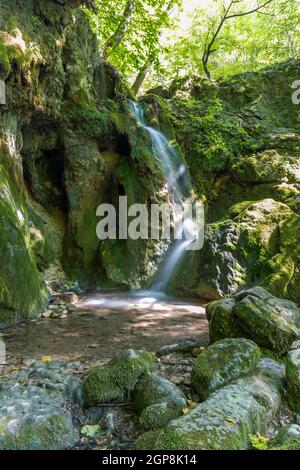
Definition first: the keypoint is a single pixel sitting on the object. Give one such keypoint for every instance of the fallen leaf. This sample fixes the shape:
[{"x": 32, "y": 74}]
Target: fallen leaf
[
  {"x": 46, "y": 359},
  {"x": 90, "y": 430},
  {"x": 230, "y": 420}
]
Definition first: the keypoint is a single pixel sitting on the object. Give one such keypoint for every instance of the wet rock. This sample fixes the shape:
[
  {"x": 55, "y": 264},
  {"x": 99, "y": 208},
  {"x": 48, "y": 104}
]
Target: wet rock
[
  {"x": 222, "y": 363},
  {"x": 117, "y": 378},
  {"x": 227, "y": 418},
  {"x": 293, "y": 379},
  {"x": 271, "y": 322}
]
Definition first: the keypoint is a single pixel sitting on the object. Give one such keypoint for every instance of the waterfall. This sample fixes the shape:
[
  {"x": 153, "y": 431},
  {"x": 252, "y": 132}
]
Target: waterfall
[{"x": 179, "y": 184}]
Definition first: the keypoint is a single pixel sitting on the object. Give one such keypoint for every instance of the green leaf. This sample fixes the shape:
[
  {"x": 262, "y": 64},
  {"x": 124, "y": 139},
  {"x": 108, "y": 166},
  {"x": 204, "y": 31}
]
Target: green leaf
[{"x": 90, "y": 430}]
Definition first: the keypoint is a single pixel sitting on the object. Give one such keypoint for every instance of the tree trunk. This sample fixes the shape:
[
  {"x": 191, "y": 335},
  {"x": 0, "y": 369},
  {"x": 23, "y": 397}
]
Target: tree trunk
[
  {"x": 140, "y": 79},
  {"x": 118, "y": 35}
]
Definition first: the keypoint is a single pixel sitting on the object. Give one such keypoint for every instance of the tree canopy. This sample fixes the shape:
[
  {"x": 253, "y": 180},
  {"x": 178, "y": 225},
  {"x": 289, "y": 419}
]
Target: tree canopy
[{"x": 146, "y": 42}]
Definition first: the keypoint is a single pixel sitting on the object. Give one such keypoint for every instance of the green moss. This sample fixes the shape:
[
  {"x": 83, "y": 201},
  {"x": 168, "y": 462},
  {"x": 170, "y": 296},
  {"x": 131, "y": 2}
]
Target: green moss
[
  {"x": 52, "y": 434},
  {"x": 157, "y": 416},
  {"x": 153, "y": 389},
  {"x": 22, "y": 293},
  {"x": 117, "y": 378},
  {"x": 225, "y": 420},
  {"x": 293, "y": 443},
  {"x": 222, "y": 323},
  {"x": 222, "y": 363}
]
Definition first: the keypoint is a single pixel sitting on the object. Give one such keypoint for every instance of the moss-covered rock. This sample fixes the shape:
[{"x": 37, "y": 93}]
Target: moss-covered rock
[
  {"x": 157, "y": 416},
  {"x": 271, "y": 322},
  {"x": 153, "y": 389},
  {"x": 22, "y": 293},
  {"x": 258, "y": 246},
  {"x": 158, "y": 400},
  {"x": 53, "y": 433},
  {"x": 117, "y": 378},
  {"x": 293, "y": 379},
  {"x": 227, "y": 418},
  {"x": 222, "y": 363}
]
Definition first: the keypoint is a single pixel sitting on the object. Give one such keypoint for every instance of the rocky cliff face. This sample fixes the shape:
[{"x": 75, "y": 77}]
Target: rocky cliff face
[
  {"x": 241, "y": 139},
  {"x": 69, "y": 142}
]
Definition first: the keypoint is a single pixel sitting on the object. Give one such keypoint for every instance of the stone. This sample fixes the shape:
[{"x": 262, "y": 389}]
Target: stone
[
  {"x": 153, "y": 389},
  {"x": 227, "y": 418},
  {"x": 118, "y": 378},
  {"x": 69, "y": 297},
  {"x": 256, "y": 314},
  {"x": 159, "y": 415},
  {"x": 293, "y": 379},
  {"x": 222, "y": 363},
  {"x": 47, "y": 314},
  {"x": 34, "y": 408}
]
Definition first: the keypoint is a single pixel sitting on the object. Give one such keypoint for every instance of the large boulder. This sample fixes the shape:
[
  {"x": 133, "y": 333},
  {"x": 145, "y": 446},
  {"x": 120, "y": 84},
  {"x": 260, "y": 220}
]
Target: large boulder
[
  {"x": 226, "y": 419},
  {"x": 222, "y": 363},
  {"x": 256, "y": 314},
  {"x": 293, "y": 379},
  {"x": 117, "y": 378}
]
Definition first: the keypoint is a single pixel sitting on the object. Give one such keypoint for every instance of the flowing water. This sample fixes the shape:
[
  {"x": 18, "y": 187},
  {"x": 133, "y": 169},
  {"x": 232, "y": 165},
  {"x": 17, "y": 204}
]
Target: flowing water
[{"x": 180, "y": 187}]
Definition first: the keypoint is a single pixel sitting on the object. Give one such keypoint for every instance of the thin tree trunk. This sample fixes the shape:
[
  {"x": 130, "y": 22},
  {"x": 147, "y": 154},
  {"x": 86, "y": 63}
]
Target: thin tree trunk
[
  {"x": 117, "y": 36},
  {"x": 140, "y": 78}
]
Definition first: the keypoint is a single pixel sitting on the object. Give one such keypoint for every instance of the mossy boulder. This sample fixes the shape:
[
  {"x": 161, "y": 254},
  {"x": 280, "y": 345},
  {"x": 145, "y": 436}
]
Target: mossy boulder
[
  {"x": 293, "y": 443},
  {"x": 118, "y": 378},
  {"x": 222, "y": 363},
  {"x": 158, "y": 400},
  {"x": 293, "y": 379},
  {"x": 226, "y": 419},
  {"x": 256, "y": 314},
  {"x": 153, "y": 389}
]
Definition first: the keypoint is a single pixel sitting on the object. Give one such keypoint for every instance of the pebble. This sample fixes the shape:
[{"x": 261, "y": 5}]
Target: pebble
[{"x": 177, "y": 380}]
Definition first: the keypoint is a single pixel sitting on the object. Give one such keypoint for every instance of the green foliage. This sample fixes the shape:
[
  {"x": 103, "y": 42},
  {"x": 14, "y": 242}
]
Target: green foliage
[
  {"x": 141, "y": 41},
  {"x": 155, "y": 37},
  {"x": 90, "y": 431},
  {"x": 259, "y": 442}
]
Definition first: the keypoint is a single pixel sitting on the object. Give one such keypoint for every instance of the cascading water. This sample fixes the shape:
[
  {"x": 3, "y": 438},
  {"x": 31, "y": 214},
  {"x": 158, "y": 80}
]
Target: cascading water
[{"x": 179, "y": 185}]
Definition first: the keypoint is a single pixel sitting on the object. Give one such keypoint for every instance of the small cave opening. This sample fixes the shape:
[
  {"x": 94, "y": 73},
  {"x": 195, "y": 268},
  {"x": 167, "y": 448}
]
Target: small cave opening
[
  {"x": 44, "y": 175},
  {"x": 123, "y": 146},
  {"x": 51, "y": 166}
]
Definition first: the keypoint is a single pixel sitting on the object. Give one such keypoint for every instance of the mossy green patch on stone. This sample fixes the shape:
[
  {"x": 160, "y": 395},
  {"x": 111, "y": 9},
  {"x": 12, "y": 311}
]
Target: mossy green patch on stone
[
  {"x": 153, "y": 389},
  {"x": 54, "y": 433},
  {"x": 157, "y": 416},
  {"x": 118, "y": 378},
  {"x": 222, "y": 363},
  {"x": 226, "y": 419}
]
